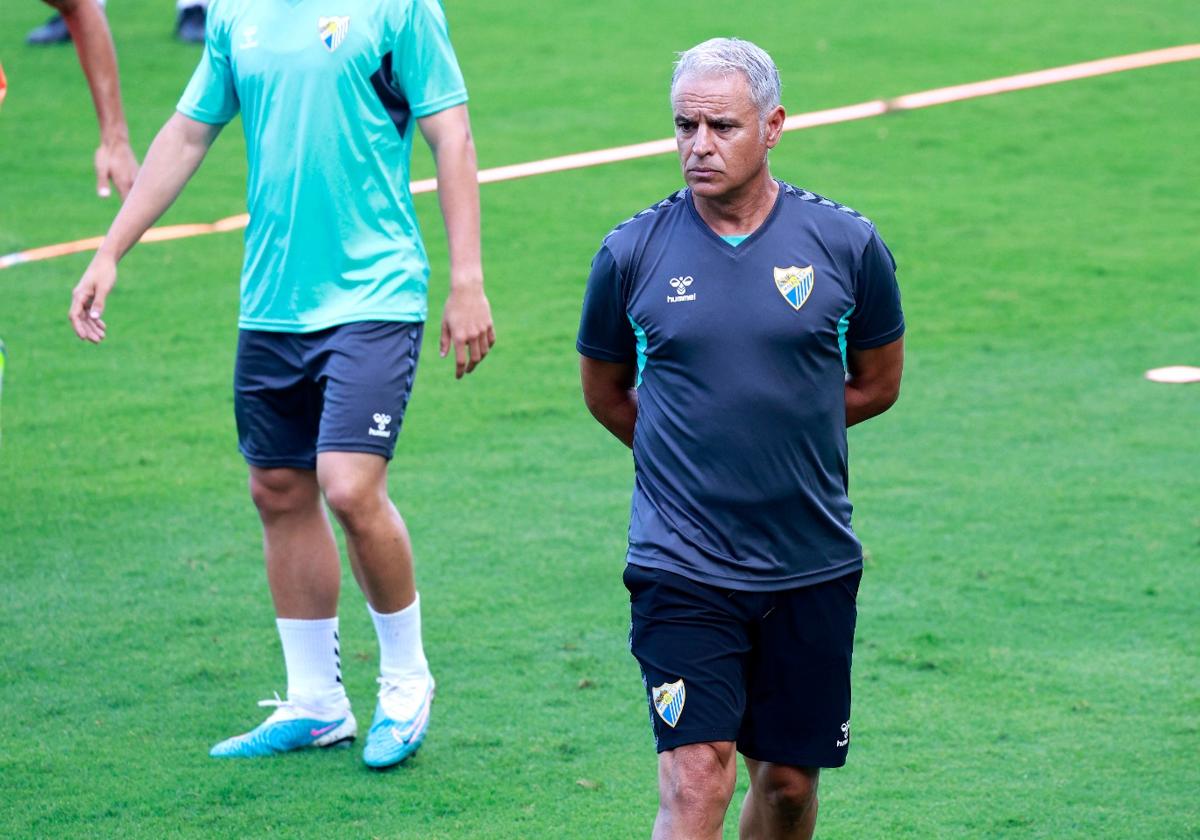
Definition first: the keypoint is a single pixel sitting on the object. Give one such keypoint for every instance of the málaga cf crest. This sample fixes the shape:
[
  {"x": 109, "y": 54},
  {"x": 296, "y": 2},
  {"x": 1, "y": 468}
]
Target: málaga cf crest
[
  {"x": 333, "y": 31},
  {"x": 795, "y": 284},
  {"x": 668, "y": 701}
]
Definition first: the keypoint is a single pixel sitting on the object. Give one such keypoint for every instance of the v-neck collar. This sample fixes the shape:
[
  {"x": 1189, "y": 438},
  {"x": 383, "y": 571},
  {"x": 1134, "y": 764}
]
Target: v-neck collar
[{"x": 747, "y": 243}]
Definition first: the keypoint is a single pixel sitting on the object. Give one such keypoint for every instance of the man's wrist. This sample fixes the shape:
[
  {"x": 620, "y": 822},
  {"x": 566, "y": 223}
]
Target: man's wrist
[
  {"x": 108, "y": 251},
  {"x": 466, "y": 281},
  {"x": 115, "y": 136}
]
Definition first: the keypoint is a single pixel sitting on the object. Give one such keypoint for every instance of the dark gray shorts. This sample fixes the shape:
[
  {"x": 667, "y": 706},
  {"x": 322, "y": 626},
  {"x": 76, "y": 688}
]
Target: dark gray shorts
[
  {"x": 768, "y": 670},
  {"x": 343, "y": 389}
]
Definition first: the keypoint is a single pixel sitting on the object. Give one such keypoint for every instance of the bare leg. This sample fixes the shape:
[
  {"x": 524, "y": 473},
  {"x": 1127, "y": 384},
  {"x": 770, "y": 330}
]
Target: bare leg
[
  {"x": 303, "y": 570},
  {"x": 781, "y": 803},
  {"x": 355, "y": 485},
  {"x": 695, "y": 784}
]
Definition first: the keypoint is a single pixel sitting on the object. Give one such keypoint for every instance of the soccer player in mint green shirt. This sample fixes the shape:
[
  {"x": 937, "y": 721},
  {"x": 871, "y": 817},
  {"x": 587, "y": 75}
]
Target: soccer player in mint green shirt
[{"x": 333, "y": 301}]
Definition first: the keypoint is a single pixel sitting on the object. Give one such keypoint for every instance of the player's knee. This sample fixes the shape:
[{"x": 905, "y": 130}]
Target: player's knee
[
  {"x": 352, "y": 500},
  {"x": 788, "y": 791},
  {"x": 280, "y": 492},
  {"x": 698, "y": 778}
]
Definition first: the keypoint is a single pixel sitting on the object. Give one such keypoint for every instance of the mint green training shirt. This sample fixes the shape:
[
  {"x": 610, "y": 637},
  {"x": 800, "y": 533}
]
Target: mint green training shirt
[{"x": 329, "y": 94}]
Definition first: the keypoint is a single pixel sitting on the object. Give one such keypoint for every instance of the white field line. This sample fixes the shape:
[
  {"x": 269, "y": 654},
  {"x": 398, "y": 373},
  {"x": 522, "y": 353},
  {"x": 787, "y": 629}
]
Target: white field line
[{"x": 847, "y": 113}]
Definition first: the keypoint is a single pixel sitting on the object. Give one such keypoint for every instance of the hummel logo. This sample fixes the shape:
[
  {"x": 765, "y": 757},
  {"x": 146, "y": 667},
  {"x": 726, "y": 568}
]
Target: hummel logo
[
  {"x": 248, "y": 38},
  {"x": 845, "y": 739},
  {"x": 680, "y": 285},
  {"x": 381, "y": 420}
]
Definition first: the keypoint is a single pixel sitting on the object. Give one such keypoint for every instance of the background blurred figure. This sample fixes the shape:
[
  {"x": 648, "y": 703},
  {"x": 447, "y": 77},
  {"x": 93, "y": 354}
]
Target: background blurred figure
[
  {"x": 189, "y": 25},
  {"x": 115, "y": 161}
]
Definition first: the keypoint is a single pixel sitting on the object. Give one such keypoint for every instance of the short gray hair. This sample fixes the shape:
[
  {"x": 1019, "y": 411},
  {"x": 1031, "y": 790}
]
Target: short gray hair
[{"x": 723, "y": 56}]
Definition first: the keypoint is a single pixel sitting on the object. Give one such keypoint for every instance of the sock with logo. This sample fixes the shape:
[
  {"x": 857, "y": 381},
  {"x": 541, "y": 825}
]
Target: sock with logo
[
  {"x": 314, "y": 666},
  {"x": 401, "y": 655}
]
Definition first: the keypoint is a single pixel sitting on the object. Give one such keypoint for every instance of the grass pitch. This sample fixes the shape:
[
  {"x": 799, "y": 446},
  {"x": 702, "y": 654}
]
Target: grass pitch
[{"x": 1027, "y": 659}]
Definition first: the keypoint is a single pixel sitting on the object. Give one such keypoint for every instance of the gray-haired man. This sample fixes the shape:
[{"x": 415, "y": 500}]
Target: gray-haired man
[{"x": 730, "y": 334}]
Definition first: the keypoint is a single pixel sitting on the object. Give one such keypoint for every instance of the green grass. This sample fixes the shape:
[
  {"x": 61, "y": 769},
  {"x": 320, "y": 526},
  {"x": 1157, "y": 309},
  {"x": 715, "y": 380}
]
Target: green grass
[{"x": 1027, "y": 663}]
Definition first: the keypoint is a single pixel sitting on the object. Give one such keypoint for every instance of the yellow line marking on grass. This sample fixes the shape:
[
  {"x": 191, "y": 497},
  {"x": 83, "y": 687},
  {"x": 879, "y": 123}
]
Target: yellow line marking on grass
[{"x": 847, "y": 113}]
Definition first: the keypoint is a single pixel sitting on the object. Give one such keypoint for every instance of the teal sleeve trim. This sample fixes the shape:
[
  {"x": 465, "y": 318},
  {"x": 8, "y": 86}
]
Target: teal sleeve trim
[
  {"x": 640, "y": 334},
  {"x": 843, "y": 327}
]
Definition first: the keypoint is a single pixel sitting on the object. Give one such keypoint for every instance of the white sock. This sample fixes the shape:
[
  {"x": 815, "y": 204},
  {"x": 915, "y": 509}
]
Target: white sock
[
  {"x": 314, "y": 665},
  {"x": 400, "y": 653}
]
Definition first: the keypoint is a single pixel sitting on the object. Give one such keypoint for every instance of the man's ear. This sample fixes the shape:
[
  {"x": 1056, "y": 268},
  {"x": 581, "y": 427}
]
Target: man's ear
[{"x": 775, "y": 126}]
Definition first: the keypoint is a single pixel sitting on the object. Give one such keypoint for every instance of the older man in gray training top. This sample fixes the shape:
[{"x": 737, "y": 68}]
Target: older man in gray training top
[{"x": 730, "y": 334}]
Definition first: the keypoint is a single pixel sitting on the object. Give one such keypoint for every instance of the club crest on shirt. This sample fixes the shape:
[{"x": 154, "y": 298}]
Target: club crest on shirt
[
  {"x": 333, "y": 30},
  {"x": 668, "y": 701},
  {"x": 795, "y": 284}
]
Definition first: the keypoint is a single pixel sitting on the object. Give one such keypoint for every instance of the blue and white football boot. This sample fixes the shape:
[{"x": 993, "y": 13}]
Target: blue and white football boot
[
  {"x": 290, "y": 727},
  {"x": 401, "y": 720}
]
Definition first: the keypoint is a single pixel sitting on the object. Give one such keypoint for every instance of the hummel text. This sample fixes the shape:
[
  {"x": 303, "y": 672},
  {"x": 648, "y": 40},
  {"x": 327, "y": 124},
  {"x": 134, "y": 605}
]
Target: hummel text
[
  {"x": 680, "y": 285},
  {"x": 381, "y": 422}
]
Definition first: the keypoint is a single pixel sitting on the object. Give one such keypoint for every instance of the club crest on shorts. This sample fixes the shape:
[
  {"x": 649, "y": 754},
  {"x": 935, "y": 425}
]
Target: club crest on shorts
[
  {"x": 795, "y": 284},
  {"x": 333, "y": 30},
  {"x": 668, "y": 701}
]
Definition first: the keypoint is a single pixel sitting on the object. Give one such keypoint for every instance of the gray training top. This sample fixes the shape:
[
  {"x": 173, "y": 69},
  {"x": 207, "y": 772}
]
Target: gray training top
[{"x": 740, "y": 444}]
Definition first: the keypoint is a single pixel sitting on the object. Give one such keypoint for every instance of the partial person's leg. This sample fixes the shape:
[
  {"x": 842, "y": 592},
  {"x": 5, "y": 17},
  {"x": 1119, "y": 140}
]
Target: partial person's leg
[
  {"x": 303, "y": 574},
  {"x": 366, "y": 372},
  {"x": 695, "y": 784},
  {"x": 781, "y": 803},
  {"x": 691, "y": 640},
  {"x": 797, "y": 719},
  {"x": 355, "y": 486},
  {"x": 303, "y": 570},
  {"x": 277, "y": 413}
]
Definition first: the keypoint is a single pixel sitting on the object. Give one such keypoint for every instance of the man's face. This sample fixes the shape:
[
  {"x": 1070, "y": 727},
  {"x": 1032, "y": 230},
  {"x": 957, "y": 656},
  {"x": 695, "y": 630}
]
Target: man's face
[{"x": 722, "y": 139}]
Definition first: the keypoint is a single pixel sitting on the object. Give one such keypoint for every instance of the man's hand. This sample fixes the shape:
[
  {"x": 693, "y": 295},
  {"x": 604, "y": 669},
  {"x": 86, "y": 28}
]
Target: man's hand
[
  {"x": 115, "y": 162},
  {"x": 174, "y": 155},
  {"x": 87, "y": 301},
  {"x": 467, "y": 325}
]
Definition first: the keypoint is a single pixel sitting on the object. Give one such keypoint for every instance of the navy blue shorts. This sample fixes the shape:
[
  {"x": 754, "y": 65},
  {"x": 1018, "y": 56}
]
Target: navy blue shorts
[
  {"x": 768, "y": 670},
  {"x": 343, "y": 389}
]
